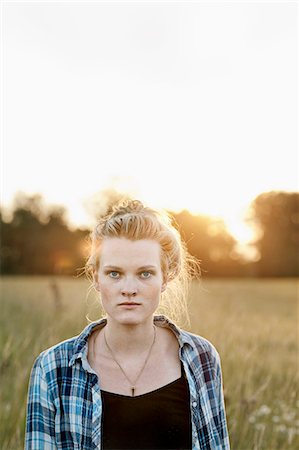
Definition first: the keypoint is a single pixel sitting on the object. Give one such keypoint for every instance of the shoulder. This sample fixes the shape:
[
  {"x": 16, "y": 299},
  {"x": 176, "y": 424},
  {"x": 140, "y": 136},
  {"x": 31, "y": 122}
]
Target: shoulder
[
  {"x": 59, "y": 360},
  {"x": 202, "y": 355},
  {"x": 55, "y": 357},
  {"x": 198, "y": 351},
  {"x": 200, "y": 344},
  {"x": 193, "y": 342}
]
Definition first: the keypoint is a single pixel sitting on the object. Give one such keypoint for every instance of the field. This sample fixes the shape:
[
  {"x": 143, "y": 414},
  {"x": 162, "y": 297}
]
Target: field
[{"x": 252, "y": 323}]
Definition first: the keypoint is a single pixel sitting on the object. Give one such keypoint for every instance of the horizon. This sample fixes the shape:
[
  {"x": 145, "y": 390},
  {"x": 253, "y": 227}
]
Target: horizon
[{"x": 245, "y": 233}]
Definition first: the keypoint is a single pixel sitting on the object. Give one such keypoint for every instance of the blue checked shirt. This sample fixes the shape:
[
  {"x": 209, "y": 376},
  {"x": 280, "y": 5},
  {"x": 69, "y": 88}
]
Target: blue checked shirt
[{"x": 64, "y": 408}]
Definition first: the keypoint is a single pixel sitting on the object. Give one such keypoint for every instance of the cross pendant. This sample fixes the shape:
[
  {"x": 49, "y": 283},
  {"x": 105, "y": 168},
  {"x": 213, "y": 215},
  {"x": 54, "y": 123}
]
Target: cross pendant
[{"x": 133, "y": 391}]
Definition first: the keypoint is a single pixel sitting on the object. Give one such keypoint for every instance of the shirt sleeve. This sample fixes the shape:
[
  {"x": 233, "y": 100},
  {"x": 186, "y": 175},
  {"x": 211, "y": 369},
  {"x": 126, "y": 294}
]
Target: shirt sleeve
[
  {"x": 40, "y": 420},
  {"x": 221, "y": 417}
]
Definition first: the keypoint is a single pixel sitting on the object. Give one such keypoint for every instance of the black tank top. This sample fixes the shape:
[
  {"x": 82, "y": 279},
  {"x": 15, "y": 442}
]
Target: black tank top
[{"x": 159, "y": 419}]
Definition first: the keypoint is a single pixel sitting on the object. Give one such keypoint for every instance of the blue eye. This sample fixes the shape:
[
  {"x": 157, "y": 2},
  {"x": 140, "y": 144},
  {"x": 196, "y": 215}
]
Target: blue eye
[
  {"x": 145, "y": 274},
  {"x": 114, "y": 274}
]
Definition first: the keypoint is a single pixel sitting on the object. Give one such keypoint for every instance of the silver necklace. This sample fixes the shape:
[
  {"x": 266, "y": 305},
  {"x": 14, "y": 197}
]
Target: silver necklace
[{"x": 133, "y": 384}]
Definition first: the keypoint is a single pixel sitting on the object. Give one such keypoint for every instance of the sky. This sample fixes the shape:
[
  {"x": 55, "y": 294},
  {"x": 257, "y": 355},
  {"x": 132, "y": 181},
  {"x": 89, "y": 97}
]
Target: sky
[{"x": 182, "y": 104}]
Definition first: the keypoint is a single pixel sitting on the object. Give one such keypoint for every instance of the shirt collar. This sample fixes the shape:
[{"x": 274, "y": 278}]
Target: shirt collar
[{"x": 80, "y": 344}]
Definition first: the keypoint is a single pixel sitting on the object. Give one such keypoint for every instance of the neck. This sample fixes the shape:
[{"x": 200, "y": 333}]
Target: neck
[{"x": 129, "y": 338}]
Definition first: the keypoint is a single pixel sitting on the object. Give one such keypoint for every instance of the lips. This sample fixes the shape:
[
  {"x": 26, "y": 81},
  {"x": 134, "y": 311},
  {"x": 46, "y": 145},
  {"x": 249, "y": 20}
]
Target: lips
[{"x": 129, "y": 304}]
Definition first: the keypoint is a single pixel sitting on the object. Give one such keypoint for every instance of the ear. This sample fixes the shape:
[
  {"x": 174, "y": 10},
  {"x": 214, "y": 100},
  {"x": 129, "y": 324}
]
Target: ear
[{"x": 164, "y": 286}]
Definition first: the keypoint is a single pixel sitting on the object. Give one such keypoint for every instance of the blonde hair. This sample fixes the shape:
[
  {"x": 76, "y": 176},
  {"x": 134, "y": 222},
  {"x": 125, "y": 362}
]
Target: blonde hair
[{"x": 132, "y": 220}]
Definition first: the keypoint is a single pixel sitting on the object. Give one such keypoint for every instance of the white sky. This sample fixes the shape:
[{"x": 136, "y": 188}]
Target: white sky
[{"x": 188, "y": 104}]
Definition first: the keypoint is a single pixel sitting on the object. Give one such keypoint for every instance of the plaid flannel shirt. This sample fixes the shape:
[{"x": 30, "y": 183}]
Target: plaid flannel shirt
[{"x": 64, "y": 407}]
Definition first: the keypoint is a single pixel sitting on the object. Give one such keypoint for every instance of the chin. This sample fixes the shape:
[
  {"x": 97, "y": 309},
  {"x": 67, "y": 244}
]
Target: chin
[{"x": 130, "y": 318}]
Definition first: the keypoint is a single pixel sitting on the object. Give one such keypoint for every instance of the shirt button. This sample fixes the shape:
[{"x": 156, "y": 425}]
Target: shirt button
[{"x": 194, "y": 404}]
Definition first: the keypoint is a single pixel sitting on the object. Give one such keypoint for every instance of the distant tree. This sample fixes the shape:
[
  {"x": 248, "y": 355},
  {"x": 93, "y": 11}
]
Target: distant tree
[
  {"x": 37, "y": 240},
  {"x": 277, "y": 216},
  {"x": 209, "y": 241}
]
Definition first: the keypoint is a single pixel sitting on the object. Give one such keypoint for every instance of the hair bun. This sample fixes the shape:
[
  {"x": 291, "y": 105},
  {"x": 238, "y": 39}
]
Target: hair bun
[{"x": 126, "y": 207}]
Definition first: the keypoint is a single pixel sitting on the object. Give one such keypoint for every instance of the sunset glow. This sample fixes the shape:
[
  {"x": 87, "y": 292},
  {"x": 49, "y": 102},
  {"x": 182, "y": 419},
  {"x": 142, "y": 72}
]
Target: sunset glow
[{"x": 182, "y": 106}]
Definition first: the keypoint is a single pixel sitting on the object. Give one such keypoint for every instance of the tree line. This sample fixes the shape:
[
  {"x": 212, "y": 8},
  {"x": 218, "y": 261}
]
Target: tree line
[{"x": 37, "y": 240}]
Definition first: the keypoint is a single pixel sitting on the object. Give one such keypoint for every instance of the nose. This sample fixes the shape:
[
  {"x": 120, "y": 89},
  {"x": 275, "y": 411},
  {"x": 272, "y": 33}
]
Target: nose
[
  {"x": 128, "y": 289},
  {"x": 125, "y": 292}
]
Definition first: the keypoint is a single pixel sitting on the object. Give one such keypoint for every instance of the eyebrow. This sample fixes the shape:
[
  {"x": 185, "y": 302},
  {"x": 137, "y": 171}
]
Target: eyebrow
[{"x": 139, "y": 268}]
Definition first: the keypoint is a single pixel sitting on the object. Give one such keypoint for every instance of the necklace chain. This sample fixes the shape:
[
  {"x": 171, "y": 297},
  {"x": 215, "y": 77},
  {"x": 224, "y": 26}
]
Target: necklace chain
[{"x": 133, "y": 385}]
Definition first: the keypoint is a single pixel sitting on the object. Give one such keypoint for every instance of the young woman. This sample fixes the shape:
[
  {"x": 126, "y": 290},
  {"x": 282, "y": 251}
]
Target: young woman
[{"x": 134, "y": 379}]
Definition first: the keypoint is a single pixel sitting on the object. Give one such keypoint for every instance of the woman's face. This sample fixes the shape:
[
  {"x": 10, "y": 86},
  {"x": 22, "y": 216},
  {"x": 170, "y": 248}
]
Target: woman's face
[{"x": 130, "y": 279}]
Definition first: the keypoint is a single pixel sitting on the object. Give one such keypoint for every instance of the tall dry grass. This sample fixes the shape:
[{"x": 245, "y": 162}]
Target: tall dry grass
[
  {"x": 254, "y": 326},
  {"x": 252, "y": 323}
]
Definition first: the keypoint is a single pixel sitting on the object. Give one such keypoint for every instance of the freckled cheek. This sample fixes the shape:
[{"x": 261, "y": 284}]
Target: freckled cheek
[
  {"x": 108, "y": 290},
  {"x": 154, "y": 292}
]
